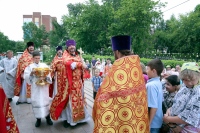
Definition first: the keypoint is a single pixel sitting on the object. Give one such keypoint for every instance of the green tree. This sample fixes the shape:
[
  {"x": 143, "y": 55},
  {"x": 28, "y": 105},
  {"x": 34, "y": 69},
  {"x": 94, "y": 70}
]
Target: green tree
[
  {"x": 92, "y": 25},
  {"x": 38, "y": 35},
  {"x": 3, "y": 42},
  {"x": 19, "y": 46},
  {"x": 88, "y": 24},
  {"x": 134, "y": 18},
  {"x": 58, "y": 36},
  {"x": 180, "y": 35}
]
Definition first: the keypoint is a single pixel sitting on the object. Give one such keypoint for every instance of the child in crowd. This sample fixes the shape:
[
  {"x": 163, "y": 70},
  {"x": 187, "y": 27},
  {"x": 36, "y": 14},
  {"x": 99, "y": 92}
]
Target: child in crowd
[
  {"x": 144, "y": 71},
  {"x": 87, "y": 70},
  {"x": 172, "y": 86},
  {"x": 185, "y": 111},
  {"x": 39, "y": 93},
  {"x": 155, "y": 94},
  {"x": 107, "y": 67},
  {"x": 103, "y": 63},
  {"x": 99, "y": 66},
  {"x": 96, "y": 82}
]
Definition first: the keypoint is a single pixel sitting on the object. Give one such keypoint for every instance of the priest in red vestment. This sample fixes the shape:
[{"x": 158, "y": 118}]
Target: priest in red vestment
[
  {"x": 120, "y": 105},
  {"x": 70, "y": 104},
  {"x": 22, "y": 89},
  {"x": 7, "y": 121},
  {"x": 56, "y": 73}
]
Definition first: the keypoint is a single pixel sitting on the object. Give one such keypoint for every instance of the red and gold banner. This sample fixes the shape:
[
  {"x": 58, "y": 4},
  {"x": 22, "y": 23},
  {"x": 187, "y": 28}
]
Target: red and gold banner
[
  {"x": 121, "y": 102},
  {"x": 72, "y": 88},
  {"x": 23, "y": 62},
  {"x": 7, "y": 121}
]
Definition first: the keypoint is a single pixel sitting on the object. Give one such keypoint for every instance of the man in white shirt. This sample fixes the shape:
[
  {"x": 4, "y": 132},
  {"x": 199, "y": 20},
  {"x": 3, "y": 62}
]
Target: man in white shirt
[{"x": 8, "y": 67}]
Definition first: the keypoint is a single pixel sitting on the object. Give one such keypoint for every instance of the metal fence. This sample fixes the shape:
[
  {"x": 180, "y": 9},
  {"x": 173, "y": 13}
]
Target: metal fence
[{"x": 172, "y": 56}]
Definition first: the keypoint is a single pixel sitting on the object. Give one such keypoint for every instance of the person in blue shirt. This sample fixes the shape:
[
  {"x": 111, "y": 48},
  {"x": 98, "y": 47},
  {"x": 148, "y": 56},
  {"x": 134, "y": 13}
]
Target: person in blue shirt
[
  {"x": 155, "y": 94},
  {"x": 96, "y": 82}
]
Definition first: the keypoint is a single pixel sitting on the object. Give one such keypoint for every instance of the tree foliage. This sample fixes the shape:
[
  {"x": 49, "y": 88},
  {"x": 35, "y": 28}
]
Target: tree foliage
[
  {"x": 92, "y": 25},
  {"x": 58, "y": 36},
  {"x": 6, "y": 44},
  {"x": 38, "y": 35},
  {"x": 3, "y": 42},
  {"x": 180, "y": 35}
]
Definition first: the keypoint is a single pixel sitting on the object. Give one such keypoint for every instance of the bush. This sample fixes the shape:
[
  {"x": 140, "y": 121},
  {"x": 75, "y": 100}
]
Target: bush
[
  {"x": 172, "y": 63},
  {"x": 48, "y": 57},
  {"x": 89, "y": 57}
]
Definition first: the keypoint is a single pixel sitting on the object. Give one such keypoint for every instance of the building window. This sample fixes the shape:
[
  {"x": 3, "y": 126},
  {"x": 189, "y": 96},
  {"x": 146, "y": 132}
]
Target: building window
[
  {"x": 27, "y": 20},
  {"x": 37, "y": 22}
]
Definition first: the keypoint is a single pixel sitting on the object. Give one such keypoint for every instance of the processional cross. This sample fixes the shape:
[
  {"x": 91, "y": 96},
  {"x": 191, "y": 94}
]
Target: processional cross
[{"x": 80, "y": 51}]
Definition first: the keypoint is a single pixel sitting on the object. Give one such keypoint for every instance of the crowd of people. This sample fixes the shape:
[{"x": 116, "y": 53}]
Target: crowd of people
[{"x": 128, "y": 95}]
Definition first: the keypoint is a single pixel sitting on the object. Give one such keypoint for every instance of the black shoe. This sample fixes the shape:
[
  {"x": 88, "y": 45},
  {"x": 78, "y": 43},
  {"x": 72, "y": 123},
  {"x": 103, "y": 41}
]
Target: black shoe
[
  {"x": 38, "y": 122},
  {"x": 65, "y": 124},
  {"x": 17, "y": 103},
  {"x": 48, "y": 120},
  {"x": 10, "y": 99}
]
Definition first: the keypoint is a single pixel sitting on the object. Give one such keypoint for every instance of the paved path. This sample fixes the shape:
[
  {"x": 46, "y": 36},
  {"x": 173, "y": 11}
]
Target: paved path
[{"x": 26, "y": 121}]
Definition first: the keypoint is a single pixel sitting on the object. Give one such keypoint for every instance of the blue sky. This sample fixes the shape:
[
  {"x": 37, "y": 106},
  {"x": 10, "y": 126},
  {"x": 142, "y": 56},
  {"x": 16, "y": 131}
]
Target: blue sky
[{"x": 12, "y": 11}]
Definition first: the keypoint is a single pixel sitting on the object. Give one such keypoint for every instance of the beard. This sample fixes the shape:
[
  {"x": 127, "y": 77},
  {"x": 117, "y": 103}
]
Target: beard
[
  {"x": 59, "y": 54},
  {"x": 31, "y": 50},
  {"x": 72, "y": 51}
]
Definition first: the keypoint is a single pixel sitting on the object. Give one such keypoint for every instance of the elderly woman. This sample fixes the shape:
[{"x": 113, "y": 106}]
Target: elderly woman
[{"x": 185, "y": 111}]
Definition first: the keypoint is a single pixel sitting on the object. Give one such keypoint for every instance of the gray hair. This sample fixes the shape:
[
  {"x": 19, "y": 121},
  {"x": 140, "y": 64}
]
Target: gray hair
[
  {"x": 9, "y": 51},
  {"x": 36, "y": 53},
  {"x": 189, "y": 74}
]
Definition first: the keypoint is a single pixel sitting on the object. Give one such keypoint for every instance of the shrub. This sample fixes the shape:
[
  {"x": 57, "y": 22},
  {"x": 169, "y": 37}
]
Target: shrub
[
  {"x": 89, "y": 57},
  {"x": 48, "y": 56},
  {"x": 172, "y": 63}
]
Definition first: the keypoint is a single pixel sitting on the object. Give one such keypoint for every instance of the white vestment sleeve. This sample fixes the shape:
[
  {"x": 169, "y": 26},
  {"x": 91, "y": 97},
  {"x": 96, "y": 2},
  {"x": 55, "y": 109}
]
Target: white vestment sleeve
[
  {"x": 49, "y": 79},
  {"x": 1, "y": 65},
  {"x": 27, "y": 76},
  {"x": 1, "y": 68},
  {"x": 12, "y": 72},
  {"x": 1, "y": 72},
  {"x": 1, "y": 75}
]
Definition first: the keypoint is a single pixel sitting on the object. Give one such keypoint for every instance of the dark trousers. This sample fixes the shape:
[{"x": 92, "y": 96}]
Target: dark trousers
[{"x": 94, "y": 94}]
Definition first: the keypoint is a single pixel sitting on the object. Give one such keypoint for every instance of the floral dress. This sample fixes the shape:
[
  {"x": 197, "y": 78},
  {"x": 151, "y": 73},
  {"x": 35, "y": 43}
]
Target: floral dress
[{"x": 187, "y": 107}]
